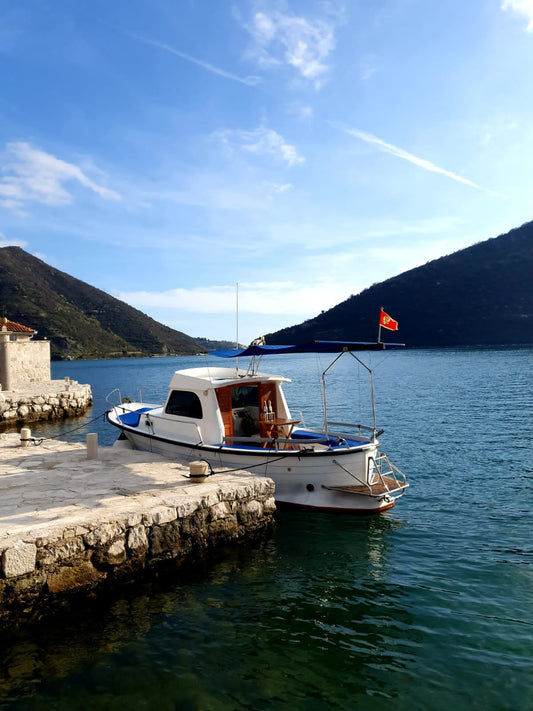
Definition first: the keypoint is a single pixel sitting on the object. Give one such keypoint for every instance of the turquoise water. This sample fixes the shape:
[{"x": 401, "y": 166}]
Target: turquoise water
[{"x": 427, "y": 606}]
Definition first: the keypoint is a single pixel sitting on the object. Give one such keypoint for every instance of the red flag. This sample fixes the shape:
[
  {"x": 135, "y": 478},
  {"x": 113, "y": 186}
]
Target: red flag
[{"x": 387, "y": 322}]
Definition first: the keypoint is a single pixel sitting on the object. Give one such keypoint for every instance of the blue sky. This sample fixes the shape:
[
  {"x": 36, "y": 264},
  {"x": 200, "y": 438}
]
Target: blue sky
[{"x": 164, "y": 151}]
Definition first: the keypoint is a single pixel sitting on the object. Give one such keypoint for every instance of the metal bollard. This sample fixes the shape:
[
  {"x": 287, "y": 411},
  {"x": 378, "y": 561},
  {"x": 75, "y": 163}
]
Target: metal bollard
[
  {"x": 92, "y": 445},
  {"x": 25, "y": 437}
]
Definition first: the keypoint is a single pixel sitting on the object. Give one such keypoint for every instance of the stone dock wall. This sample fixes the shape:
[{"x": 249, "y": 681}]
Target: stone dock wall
[
  {"x": 47, "y": 400},
  {"x": 85, "y": 525}
]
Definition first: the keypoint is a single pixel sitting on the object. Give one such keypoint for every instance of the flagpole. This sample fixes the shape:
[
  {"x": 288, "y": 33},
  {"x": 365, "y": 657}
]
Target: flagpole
[{"x": 379, "y": 330}]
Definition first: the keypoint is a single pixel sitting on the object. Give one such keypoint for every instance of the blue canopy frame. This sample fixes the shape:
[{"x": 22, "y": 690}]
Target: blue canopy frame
[{"x": 309, "y": 347}]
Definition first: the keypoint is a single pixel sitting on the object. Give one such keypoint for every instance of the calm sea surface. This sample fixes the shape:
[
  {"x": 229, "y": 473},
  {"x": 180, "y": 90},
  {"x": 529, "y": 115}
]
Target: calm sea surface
[{"x": 427, "y": 606}]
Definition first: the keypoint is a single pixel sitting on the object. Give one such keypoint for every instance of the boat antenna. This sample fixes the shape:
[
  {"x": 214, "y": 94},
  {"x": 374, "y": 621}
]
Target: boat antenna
[{"x": 237, "y": 324}]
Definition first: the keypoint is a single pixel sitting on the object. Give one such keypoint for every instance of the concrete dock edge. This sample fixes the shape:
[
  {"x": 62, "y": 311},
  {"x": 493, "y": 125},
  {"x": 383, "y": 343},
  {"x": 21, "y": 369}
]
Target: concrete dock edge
[{"x": 69, "y": 524}]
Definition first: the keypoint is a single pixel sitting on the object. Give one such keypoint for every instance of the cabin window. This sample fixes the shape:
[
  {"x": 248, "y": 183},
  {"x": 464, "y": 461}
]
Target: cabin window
[
  {"x": 184, "y": 404},
  {"x": 244, "y": 396}
]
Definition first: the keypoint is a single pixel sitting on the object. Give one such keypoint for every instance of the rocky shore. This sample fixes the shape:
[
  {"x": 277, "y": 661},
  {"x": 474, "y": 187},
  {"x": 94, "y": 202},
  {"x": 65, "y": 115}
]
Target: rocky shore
[{"x": 48, "y": 400}]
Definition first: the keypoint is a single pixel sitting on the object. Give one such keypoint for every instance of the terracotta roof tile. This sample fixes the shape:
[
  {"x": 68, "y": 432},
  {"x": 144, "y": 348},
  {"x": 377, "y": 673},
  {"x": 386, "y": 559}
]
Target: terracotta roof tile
[{"x": 16, "y": 327}]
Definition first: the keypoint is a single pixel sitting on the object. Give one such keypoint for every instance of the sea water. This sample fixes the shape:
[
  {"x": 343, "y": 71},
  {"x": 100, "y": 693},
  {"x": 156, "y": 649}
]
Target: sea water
[{"x": 426, "y": 606}]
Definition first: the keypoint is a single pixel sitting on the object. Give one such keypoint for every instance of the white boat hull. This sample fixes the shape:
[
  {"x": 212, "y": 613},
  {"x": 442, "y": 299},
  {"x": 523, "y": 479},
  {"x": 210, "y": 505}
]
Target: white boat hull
[{"x": 328, "y": 479}]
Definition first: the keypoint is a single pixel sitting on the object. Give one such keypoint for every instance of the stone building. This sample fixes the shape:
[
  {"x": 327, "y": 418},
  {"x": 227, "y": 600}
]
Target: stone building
[
  {"x": 28, "y": 394},
  {"x": 22, "y": 360}
]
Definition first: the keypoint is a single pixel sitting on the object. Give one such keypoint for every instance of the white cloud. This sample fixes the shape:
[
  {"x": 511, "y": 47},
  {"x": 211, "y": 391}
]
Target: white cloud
[
  {"x": 249, "y": 80},
  {"x": 276, "y": 188},
  {"x": 31, "y": 175},
  {"x": 6, "y": 242},
  {"x": 301, "y": 112},
  {"x": 287, "y": 39},
  {"x": 367, "y": 68},
  {"x": 400, "y": 153},
  {"x": 521, "y": 7},
  {"x": 261, "y": 141},
  {"x": 259, "y": 298}
]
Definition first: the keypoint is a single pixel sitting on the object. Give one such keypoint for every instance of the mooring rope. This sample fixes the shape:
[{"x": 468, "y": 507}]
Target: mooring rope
[{"x": 39, "y": 440}]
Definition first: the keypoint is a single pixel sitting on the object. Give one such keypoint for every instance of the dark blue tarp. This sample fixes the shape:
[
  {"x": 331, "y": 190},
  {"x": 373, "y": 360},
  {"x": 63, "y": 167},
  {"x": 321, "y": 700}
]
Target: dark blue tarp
[{"x": 310, "y": 347}]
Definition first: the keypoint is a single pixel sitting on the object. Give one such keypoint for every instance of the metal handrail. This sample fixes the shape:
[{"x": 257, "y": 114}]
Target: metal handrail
[
  {"x": 296, "y": 444},
  {"x": 149, "y": 422},
  {"x": 350, "y": 424},
  {"x": 376, "y": 464},
  {"x": 314, "y": 440},
  {"x": 115, "y": 390},
  {"x": 151, "y": 387},
  {"x": 302, "y": 421}
]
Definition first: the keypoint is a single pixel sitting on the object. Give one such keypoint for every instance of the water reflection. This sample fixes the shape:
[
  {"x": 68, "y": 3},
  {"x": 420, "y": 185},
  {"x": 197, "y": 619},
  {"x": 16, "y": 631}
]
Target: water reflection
[{"x": 210, "y": 639}]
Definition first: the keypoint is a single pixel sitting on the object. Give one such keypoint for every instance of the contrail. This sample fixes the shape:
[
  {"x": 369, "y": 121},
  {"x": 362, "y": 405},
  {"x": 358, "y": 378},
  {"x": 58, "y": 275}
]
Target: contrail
[
  {"x": 400, "y": 153},
  {"x": 249, "y": 81}
]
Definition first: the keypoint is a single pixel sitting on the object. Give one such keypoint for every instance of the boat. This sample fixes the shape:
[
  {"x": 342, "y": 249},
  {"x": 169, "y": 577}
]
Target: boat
[{"x": 237, "y": 418}]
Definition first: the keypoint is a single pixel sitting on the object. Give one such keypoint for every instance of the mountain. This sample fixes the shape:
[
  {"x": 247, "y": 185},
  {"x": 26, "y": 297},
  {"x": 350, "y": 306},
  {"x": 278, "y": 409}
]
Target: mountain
[
  {"x": 79, "y": 320},
  {"x": 209, "y": 345},
  {"x": 481, "y": 295}
]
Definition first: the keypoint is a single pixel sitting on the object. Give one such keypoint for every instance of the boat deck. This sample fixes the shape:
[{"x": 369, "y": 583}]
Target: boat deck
[{"x": 387, "y": 486}]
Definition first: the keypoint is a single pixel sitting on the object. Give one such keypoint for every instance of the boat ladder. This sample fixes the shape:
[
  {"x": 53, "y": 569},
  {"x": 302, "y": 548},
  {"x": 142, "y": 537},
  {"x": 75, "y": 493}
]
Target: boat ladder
[{"x": 383, "y": 479}]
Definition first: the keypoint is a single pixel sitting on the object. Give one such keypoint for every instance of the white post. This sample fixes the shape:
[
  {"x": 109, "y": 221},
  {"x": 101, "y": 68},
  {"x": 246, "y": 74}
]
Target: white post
[
  {"x": 25, "y": 437},
  {"x": 92, "y": 445}
]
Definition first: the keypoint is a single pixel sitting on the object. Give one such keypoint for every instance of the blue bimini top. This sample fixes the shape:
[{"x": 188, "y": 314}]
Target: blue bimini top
[{"x": 309, "y": 347}]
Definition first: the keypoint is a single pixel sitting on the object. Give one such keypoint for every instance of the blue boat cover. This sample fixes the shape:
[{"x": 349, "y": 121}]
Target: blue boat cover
[
  {"x": 132, "y": 418},
  {"x": 309, "y": 347}
]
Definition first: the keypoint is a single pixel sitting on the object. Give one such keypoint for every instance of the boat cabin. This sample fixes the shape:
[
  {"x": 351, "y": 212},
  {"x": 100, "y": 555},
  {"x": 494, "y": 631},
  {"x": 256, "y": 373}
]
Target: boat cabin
[{"x": 227, "y": 403}]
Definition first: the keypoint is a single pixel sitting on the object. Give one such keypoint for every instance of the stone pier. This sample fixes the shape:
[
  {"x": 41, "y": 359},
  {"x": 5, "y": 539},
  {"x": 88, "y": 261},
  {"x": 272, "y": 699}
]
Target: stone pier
[
  {"x": 44, "y": 400},
  {"x": 71, "y": 524}
]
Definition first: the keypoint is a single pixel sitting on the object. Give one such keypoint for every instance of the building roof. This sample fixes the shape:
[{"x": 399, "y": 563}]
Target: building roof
[{"x": 15, "y": 327}]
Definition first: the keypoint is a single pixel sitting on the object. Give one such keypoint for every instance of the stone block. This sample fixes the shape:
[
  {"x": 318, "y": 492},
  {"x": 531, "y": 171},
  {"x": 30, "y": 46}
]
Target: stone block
[
  {"x": 219, "y": 511},
  {"x": 209, "y": 500},
  {"x": 133, "y": 519},
  {"x": 66, "y": 549},
  {"x": 104, "y": 534},
  {"x": 163, "y": 515},
  {"x": 116, "y": 553},
  {"x": 136, "y": 539},
  {"x": 186, "y": 508},
  {"x": 79, "y": 575},
  {"x": 165, "y": 538},
  {"x": 19, "y": 559},
  {"x": 269, "y": 505},
  {"x": 250, "y": 511}
]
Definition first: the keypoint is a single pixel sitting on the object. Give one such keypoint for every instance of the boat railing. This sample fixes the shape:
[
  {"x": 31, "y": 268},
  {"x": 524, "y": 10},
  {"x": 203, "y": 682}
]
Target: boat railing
[
  {"x": 274, "y": 441},
  {"x": 152, "y": 389},
  {"x": 351, "y": 425},
  {"x": 380, "y": 470},
  {"x": 193, "y": 425},
  {"x": 122, "y": 400},
  {"x": 108, "y": 397},
  {"x": 301, "y": 414},
  {"x": 380, "y": 467}
]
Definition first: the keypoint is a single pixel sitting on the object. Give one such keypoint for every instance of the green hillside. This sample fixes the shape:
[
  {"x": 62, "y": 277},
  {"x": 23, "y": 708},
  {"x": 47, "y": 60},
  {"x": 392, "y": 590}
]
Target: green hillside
[
  {"x": 481, "y": 295},
  {"x": 79, "y": 320}
]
